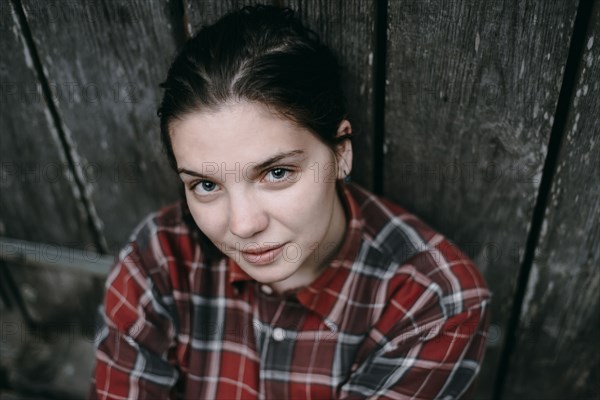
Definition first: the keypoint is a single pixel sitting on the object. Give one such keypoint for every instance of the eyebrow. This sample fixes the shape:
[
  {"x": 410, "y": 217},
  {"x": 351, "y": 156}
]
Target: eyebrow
[{"x": 256, "y": 168}]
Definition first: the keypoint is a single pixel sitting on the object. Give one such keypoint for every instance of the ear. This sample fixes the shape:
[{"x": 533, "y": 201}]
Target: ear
[{"x": 344, "y": 150}]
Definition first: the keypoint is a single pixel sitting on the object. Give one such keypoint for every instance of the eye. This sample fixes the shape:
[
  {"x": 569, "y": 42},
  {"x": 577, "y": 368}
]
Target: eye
[
  {"x": 277, "y": 174},
  {"x": 204, "y": 187}
]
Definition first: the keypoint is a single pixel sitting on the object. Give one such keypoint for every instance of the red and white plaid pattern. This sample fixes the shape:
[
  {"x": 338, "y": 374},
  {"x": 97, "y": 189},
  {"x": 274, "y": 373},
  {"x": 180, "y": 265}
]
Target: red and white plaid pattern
[{"x": 400, "y": 313}]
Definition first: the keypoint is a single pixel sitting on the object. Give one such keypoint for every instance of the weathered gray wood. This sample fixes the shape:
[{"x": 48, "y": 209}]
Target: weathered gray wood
[
  {"x": 472, "y": 89},
  {"x": 348, "y": 27},
  {"x": 48, "y": 277},
  {"x": 558, "y": 336},
  {"x": 38, "y": 199},
  {"x": 206, "y": 12},
  {"x": 57, "y": 258},
  {"x": 12, "y": 395},
  {"x": 54, "y": 362},
  {"x": 104, "y": 61},
  {"x": 53, "y": 356}
]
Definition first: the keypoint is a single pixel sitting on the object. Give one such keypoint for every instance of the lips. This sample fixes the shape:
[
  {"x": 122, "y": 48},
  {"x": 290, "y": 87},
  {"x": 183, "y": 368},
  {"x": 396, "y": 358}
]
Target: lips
[{"x": 263, "y": 255}]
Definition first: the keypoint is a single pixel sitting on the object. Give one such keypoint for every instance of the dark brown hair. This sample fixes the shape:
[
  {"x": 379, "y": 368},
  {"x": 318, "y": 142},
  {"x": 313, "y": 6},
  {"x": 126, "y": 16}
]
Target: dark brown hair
[{"x": 259, "y": 54}]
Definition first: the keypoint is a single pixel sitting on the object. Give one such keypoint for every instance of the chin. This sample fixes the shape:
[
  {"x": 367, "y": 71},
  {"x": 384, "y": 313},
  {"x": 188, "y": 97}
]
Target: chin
[{"x": 269, "y": 273}]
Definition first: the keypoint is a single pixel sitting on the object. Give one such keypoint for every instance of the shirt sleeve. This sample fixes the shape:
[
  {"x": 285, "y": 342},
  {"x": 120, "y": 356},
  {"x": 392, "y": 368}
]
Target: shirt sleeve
[
  {"x": 132, "y": 357},
  {"x": 426, "y": 344}
]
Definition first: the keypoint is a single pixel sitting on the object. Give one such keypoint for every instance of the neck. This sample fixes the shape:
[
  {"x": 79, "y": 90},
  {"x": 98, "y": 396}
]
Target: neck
[{"x": 311, "y": 271}]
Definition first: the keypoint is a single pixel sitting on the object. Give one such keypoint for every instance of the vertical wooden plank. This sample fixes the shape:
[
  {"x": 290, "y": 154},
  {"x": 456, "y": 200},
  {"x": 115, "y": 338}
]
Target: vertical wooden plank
[
  {"x": 557, "y": 338},
  {"x": 206, "y": 12},
  {"x": 471, "y": 92},
  {"x": 104, "y": 61},
  {"x": 38, "y": 199},
  {"x": 348, "y": 27}
]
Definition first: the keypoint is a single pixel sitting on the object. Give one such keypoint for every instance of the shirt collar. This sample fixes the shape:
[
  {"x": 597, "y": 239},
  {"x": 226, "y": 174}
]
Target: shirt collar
[
  {"x": 321, "y": 295},
  {"x": 236, "y": 274}
]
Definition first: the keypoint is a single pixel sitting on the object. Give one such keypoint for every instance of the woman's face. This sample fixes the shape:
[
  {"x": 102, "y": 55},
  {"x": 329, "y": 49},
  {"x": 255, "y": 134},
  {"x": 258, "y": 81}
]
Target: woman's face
[{"x": 262, "y": 189}]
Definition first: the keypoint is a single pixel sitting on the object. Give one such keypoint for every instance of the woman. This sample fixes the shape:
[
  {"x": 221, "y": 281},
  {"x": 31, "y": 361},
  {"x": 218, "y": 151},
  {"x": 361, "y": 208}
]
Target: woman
[{"x": 274, "y": 278}]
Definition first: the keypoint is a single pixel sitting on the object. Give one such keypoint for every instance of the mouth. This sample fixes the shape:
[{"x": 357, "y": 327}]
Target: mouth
[{"x": 263, "y": 255}]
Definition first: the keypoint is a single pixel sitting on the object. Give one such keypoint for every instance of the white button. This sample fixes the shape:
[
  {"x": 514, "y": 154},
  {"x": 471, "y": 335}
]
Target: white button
[
  {"x": 331, "y": 325},
  {"x": 278, "y": 334},
  {"x": 266, "y": 289}
]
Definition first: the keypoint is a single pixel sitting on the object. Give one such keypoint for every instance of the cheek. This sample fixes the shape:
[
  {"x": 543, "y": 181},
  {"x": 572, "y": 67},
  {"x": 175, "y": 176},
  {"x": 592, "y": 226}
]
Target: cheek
[
  {"x": 308, "y": 204},
  {"x": 212, "y": 222}
]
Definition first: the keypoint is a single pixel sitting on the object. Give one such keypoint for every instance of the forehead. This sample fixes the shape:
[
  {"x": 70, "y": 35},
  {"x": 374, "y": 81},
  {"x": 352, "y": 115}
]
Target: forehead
[{"x": 238, "y": 132}]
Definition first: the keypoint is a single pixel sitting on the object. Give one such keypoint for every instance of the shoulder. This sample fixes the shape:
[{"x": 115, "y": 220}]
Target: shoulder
[
  {"x": 390, "y": 228},
  {"x": 149, "y": 268},
  {"x": 414, "y": 258},
  {"x": 162, "y": 228},
  {"x": 161, "y": 248}
]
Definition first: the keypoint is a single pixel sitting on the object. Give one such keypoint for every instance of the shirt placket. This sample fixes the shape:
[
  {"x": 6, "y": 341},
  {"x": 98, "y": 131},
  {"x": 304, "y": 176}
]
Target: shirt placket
[{"x": 275, "y": 342}]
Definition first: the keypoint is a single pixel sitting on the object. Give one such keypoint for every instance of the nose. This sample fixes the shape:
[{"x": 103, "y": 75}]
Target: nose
[{"x": 246, "y": 216}]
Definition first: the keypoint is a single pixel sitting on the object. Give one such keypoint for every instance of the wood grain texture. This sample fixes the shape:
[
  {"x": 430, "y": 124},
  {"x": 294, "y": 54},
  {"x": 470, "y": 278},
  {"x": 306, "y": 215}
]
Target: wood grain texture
[
  {"x": 348, "y": 27},
  {"x": 38, "y": 198},
  {"x": 558, "y": 334},
  {"x": 471, "y": 92},
  {"x": 44, "y": 364},
  {"x": 104, "y": 61},
  {"x": 206, "y": 12}
]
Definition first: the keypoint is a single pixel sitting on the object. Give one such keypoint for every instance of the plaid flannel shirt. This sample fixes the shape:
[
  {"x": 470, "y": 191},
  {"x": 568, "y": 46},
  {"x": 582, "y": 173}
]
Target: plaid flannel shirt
[{"x": 399, "y": 313}]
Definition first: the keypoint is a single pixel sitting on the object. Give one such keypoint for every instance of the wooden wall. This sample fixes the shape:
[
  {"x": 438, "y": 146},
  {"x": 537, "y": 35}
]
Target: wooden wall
[
  {"x": 556, "y": 337},
  {"x": 480, "y": 117}
]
